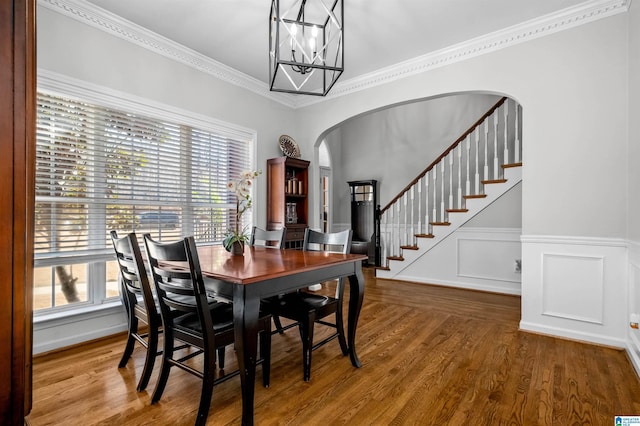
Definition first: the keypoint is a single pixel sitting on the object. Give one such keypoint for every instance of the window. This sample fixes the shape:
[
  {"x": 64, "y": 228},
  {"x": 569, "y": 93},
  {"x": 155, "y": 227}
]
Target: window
[{"x": 100, "y": 168}]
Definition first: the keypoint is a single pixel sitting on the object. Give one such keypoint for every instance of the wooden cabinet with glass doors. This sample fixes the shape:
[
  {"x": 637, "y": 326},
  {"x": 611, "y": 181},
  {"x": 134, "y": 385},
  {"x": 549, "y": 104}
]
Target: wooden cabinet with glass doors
[{"x": 287, "y": 198}]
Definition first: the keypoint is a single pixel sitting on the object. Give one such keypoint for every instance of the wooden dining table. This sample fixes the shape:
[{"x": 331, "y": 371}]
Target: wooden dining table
[{"x": 262, "y": 272}]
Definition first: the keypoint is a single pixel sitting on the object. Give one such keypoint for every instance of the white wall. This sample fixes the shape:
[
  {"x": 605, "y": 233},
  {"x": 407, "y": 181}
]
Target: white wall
[
  {"x": 572, "y": 86},
  {"x": 633, "y": 206}
]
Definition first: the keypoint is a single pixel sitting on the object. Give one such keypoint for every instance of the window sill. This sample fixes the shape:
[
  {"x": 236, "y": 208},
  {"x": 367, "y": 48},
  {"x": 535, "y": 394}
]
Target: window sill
[{"x": 76, "y": 314}]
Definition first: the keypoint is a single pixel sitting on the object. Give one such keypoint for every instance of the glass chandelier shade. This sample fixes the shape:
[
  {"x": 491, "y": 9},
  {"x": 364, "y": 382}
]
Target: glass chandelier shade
[{"x": 306, "y": 45}]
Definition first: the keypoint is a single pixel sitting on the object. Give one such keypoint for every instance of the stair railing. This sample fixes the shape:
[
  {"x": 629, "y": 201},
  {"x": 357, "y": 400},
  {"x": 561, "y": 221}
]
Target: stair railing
[{"x": 460, "y": 172}]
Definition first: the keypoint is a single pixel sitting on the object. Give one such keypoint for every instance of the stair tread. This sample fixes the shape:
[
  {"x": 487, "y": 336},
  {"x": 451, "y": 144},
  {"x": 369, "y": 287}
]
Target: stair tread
[
  {"x": 506, "y": 166},
  {"x": 475, "y": 196},
  {"x": 440, "y": 223},
  {"x": 409, "y": 247},
  {"x": 400, "y": 258},
  {"x": 457, "y": 210},
  {"x": 382, "y": 268},
  {"x": 424, "y": 236},
  {"x": 490, "y": 181}
]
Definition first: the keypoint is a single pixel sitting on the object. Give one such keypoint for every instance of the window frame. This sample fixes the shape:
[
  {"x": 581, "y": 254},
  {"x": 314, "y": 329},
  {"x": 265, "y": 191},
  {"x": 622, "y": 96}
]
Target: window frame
[{"x": 66, "y": 87}]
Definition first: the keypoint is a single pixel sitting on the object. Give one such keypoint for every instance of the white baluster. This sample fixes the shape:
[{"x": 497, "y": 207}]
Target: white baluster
[
  {"x": 413, "y": 229},
  {"x": 426, "y": 206},
  {"x": 517, "y": 135},
  {"x": 506, "y": 136},
  {"x": 442, "y": 194},
  {"x": 392, "y": 238},
  {"x": 496, "y": 174},
  {"x": 459, "y": 198},
  {"x": 468, "y": 186},
  {"x": 399, "y": 242},
  {"x": 420, "y": 205},
  {"x": 486, "y": 150},
  {"x": 383, "y": 238},
  {"x": 406, "y": 218},
  {"x": 477, "y": 182},
  {"x": 434, "y": 215},
  {"x": 390, "y": 233},
  {"x": 450, "y": 155}
]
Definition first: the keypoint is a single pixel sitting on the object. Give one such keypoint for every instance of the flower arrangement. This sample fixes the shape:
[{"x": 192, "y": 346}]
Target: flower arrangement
[{"x": 241, "y": 187}]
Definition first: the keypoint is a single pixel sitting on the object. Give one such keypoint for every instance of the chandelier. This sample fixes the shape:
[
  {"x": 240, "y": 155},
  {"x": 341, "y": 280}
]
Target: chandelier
[{"x": 306, "y": 45}]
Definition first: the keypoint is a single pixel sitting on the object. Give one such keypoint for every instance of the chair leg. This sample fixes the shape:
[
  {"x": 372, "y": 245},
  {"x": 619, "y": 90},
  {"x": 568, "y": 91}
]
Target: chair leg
[
  {"x": 207, "y": 390},
  {"x": 221, "y": 357},
  {"x": 340, "y": 330},
  {"x": 165, "y": 367},
  {"x": 276, "y": 321},
  {"x": 128, "y": 349},
  {"x": 265, "y": 353},
  {"x": 306, "y": 332},
  {"x": 150, "y": 359}
]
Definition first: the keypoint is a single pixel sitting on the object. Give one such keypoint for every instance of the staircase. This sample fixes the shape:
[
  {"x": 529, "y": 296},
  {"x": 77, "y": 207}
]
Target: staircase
[{"x": 477, "y": 169}]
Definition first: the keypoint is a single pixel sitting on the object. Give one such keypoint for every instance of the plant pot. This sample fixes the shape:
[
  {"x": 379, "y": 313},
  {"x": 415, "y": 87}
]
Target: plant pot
[{"x": 237, "y": 249}]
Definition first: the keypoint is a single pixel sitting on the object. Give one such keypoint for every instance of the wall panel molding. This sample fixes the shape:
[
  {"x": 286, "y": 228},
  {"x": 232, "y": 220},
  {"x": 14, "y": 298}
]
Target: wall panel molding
[
  {"x": 573, "y": 287},
  {"x": 577, "y": 288}
]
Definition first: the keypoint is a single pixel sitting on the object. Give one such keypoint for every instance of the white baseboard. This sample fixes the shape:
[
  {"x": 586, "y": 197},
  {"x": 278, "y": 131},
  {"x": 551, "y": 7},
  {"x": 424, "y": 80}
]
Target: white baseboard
[
  {"x": 573, "y": 335},
  {"x": 488, "y": 286}
]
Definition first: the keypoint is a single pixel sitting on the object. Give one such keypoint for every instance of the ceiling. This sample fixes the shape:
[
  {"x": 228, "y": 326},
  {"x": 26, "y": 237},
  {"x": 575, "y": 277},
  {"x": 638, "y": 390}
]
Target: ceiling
[{"x": 378, "y": 33}]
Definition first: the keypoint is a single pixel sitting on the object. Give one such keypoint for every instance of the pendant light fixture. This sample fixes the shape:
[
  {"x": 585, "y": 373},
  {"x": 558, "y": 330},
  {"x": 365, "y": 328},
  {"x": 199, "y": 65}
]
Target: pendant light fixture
[{"x": 306, "y": 45}]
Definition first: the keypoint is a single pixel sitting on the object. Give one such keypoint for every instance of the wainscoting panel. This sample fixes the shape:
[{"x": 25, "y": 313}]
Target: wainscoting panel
[
  {"x": 475, "y": 258},
  {"x": 575, "y": 288},
  {"x": 487, "y": 259},
  {"x": 633, "y": 334}
]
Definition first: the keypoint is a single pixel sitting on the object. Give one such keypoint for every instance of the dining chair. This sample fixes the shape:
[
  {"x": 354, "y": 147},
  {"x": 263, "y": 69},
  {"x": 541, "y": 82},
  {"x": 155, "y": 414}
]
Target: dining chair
[
  {"x": 205, "y": 326},
  {"x": 262, "y": 238},
  {"x": 305, "y": 308},
  {"x": 139, "y": 304}
]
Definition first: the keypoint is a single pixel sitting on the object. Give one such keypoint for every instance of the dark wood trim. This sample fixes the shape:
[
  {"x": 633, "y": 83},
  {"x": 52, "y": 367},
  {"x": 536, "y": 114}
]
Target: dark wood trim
[
  {"x": 17, "y": 144},
  {"x": 444, "y": 154}
]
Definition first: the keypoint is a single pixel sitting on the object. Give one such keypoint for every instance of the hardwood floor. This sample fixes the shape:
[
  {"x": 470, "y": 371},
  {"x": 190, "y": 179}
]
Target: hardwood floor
[{"x": 431, "y": 356}]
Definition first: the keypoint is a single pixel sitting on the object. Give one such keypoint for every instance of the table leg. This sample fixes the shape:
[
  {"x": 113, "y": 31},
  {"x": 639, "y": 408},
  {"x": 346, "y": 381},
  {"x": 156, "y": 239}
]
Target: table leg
[
  {"x": 356, "y": 295},
  {"x": 245, "y": 321}
]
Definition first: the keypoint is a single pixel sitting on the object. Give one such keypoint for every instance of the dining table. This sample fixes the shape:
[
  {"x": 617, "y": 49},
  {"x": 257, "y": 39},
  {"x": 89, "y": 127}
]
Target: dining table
[{"x": 262, "y": 272}]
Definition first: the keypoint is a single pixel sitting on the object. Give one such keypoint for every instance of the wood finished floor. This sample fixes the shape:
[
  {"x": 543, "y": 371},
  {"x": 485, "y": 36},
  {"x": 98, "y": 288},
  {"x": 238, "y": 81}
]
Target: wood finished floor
[{"x": 431, "y": 356}]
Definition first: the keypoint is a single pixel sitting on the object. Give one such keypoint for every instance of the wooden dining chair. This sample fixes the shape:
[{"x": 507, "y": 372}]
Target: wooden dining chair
[
  {"x": 262, "y": 238},
  {"x": 305, "y": 308},
  {"x": 188, "y": 316},
  {"x": 138, "y": 301}
]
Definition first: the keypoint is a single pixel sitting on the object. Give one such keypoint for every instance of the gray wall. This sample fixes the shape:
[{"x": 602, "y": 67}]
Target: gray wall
[{"x": 394, "y": 145}]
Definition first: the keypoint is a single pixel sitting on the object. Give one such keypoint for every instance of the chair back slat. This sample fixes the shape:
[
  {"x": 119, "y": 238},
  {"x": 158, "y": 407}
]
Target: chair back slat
[
  {"x": 132, "y": 270},
  {"x": 336, "y": 242},
  {"x": 272, "y": 239},
  {"x": 178, "y": 289}
]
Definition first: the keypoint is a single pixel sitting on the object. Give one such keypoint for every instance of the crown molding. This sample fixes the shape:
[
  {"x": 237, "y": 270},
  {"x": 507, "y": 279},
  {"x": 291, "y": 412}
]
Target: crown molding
[
  {"x": 581, "y": 14},
  {"x": 117, "y": 26}
]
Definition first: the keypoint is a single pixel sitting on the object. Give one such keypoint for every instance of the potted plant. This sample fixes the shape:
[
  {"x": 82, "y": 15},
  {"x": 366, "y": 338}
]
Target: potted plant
[{"x": 241, "y": 187}]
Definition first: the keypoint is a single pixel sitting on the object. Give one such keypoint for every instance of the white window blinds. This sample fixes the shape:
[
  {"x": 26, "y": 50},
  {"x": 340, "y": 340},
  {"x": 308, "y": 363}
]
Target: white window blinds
[{"x": 98, "y": 169}]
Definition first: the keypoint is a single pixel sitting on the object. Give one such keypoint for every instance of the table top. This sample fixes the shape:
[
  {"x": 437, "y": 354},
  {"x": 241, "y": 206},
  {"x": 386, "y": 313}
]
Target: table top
[{"x": 260, "y": 263}]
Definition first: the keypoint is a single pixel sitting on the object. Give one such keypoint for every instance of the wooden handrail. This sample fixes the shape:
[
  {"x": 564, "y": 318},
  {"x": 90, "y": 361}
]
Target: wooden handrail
[{"x": 444, "y": 154}]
